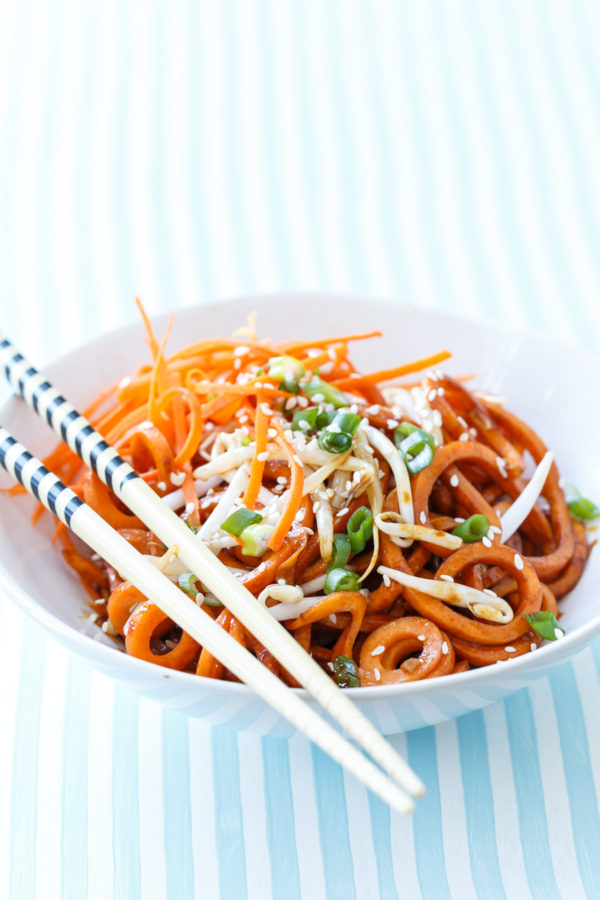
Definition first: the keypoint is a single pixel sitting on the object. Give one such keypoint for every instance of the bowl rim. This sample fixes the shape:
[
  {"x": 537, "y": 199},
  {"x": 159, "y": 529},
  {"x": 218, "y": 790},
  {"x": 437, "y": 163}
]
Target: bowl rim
[{"x": 552, "y": 653}]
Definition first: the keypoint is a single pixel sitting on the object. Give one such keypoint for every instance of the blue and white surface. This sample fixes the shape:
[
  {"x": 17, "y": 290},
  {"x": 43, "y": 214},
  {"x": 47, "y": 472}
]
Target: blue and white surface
[{"x": 444, "y": 153}]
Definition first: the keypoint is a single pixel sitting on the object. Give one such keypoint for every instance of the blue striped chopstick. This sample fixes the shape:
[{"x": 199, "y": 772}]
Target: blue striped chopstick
[
  {"x": 79, "y": 434},
  {"x": 101, "y": 537}
]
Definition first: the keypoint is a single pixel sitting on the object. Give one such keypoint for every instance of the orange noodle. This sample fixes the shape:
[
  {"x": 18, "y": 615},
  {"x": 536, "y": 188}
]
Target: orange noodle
[{"x": 398, "y": 532}]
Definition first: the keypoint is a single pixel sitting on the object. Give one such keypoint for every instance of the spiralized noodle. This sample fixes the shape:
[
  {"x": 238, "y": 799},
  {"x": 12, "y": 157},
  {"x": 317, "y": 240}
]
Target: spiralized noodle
[{"x": 355, "y": 554}]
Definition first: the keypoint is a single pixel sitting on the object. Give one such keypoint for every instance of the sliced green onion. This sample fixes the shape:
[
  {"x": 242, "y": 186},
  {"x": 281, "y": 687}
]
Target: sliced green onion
[
  {"x": 415, "y": 446},
  {"x": 305, "y": 419},
  {"x": 291, "y": 385},
  {"x": 239, "y": 520},
  {"x": 255, "y": 539},
  {"x": 334, "y": 441},
  {"x": 345, "y": 672},
  {"x": 579, "y": 506},
  {"x": 340, "y": 580},
  {"x": 286, "y": 368},
  {"x": 324, "y": 419},
  {"x": 246, "y": 441},
  {"x": 360, "y": 529},
  {"x": 546, "y": 625},
  {"x": 341, "y": 551},
  {"x": 213, "y": 602},
  {"x": 191, "y": 527},
  {"x": 187, "y": 582},
  {"x": 347, "y": 422},
  {"x": 321, "y": 392},
  {"x": 473, "y": 529}
]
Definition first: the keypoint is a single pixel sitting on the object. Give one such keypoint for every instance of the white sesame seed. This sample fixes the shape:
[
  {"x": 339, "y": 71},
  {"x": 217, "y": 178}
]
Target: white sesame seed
[
  {"x": 124, "y": 382},
  {"x": 302, "y": 402},
  {"x": 454, "y": 480},
  {"x": 431, "y": 395},
  {"x": 177, "y": 478},
  {"x": 378, "y": 650},
  {"x": 445, "y": 649},
  {"x": 189, "y": 508},
  {"x": 421, "y": 637},
  {"x": 458, "y": 519},
  {"x": 386, "y": 580},
  {"x": 374, "y": 409},
  {"x": 518, "y": 561},
  {"x": 266, "y": 409},
  {"x": 436, "y": 417},
  {"x": 392, "y": 423},
  {"x": 333, "y": 619},
  {"x": 281, "y": 479},
  {"x": 260, "y": 568},
  {"x": 348, "y": 486},
  {"x": 377, "y": 674},
  {"x": 237, "y": 364},
  {"x": 501, "y": 463},
  {"x": 446, "y": 578},
  {"x": 241, "y": 351},
  {"x": 304, "y": 425},
  {"x": 161, "y": 486},
  {"x": 464, "y": 436},
  {"x": 462, "y": 421},
  {"x": 318, "y": 398},
  {"x": 342, "y": 512},
  {"x": 330, "y": 666},
  {"x": 486, "y": 541},
  {"x": 533, "y": 646},
  {"x": 269, "y": 387},
  {"x": 510, "y": 649},
  {"x": 263, "y": 457},
  {"x": 441, "y": 392},
  {"x": 243, "y": 418},
  {"x": 299, "y": 517},
  {"x": 495, "y": 529},
  {"x": 271, "y": 432},
  {"x": 316, "y": 506},
  {"x": 422, "y": 517}
]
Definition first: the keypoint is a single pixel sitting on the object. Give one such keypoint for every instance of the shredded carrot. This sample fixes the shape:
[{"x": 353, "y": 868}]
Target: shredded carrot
[
  {"x": 387, "y": 374},
  {"x": 295, "y": 493},
  {"x": 261, "y": 427}
]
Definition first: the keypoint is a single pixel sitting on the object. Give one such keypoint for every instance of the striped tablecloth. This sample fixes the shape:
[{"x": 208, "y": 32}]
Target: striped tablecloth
[{"x": 446, "y": 153}]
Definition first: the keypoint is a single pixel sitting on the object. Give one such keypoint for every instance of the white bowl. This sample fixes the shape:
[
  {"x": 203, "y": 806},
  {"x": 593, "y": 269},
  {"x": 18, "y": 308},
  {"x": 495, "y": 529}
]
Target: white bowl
[{"x": 547, "y": 383}]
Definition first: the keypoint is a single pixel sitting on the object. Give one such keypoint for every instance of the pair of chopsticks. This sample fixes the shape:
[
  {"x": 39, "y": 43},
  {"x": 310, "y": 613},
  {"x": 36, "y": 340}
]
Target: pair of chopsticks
[{"x": 88, "y": 444}]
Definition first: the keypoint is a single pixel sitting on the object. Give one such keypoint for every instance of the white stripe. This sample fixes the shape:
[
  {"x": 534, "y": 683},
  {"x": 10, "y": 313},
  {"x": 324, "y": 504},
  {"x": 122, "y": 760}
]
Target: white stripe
[
  {"x": 100, "y": 788},
  {"x": 153, "y": 877},
  {"x": 204, "y": 846},
  {"x": 506, "y": 812},
  {"x": 556, "y": 798},
  {"x": 252, "y": 803},
  {"x": 11, "y": 623},
  {"x": 588, "y": 685},
  {"x": 452, "y": 804},
  {"x": 306, "y": 820},
  {"x": 402, "y": 840},
  {"x": 360, "y": 836}
]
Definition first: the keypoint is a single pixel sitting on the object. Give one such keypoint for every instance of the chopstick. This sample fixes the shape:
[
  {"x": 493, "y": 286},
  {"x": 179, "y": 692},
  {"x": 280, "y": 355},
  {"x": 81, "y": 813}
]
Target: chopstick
[
  {"x": 81, "y": 437},
  {"x": 101, "y": 537}
]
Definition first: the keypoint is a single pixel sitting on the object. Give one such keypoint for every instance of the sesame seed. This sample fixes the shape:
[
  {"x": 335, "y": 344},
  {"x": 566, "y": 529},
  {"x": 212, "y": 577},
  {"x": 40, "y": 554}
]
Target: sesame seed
[
  {"x": 161, "y": 486},
  {"x": 377, "y": 674},
  {"x": 422, "y": 517},
  {"x": 431, "y": 395},
  {"x": 436, "y": 417},
  {"x": 260, "y": 568},
  {"x": 124, "y": 382},
  {"x": 510, "y": 649},
  {"x": 333, "y": 619},
  {"x": 348, "y": 486},
  {"x": 189, "y": 508},
  {"x": 342, "y": 512},
  {"x": 374, "y": 409},
  {"x": 464, "y": 436},
  {"x": 318, "y": 398},
  {"x": 445, "y": 649},
  {"x": 304, "y": 425},
  {"x": 271, "y": 432},
  {"x": 302, "y": 402},
  {"x": 518, "y": 561},
  {"x": 458, "y": 519},
  {"x": 263, "y": 457},
  {"x": 378, "y": 650},
  {"x": 316, "y": 506},
  {"x": 501, "y": 463},
  {"x": 354, "y": 408},
  {"x": 462, "y": 421},
  {"x": 446, "y": 578},
  {"x": 441, "y": 392},
  {"x": 299, "y": 517},
  {"x": 486, "y": 541},
  {"x": 266, "y": 409},
  {"x": 421, "y": 637},
  {"x": 386, "y": 580},
  {"x": 533, "y": 646},
  {"x": 177, "y": 478},
  {"x": 392, "y": 423},
  {"x": 281, "y": 479},
  {"x": 495, "y": 529},
  {"x": 454, "y": 480},
  {"x": 237, "y": 364},
  {"x": 330, "y": 666},
  {"x": 241, "y": 351},
  {"x": 243, "y": 418}
]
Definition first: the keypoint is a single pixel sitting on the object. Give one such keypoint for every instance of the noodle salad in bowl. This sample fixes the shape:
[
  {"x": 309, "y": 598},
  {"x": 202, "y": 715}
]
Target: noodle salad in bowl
[
  {"x": 378, "y": 495},
  {"x": 403, "y": 525}
]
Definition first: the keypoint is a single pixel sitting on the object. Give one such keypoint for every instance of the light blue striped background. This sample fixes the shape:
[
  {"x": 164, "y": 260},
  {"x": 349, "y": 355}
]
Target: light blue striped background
[{"x": 439, "y": 152}]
